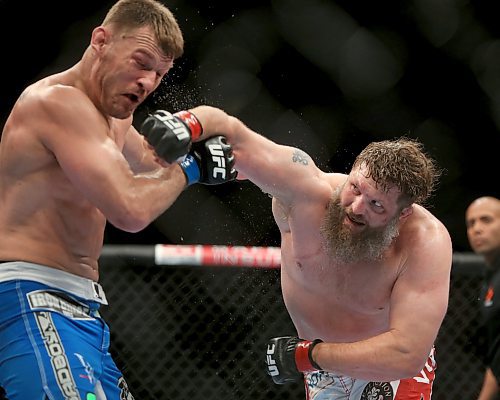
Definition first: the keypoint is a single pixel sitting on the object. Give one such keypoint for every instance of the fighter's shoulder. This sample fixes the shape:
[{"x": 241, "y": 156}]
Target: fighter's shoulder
[
  {"x": 64, "y": 96},
  {"x": 322, "y": 187},
  {"x": 333, "y": 180},
  {"x": 54, "y": 99},
  {"x": 317, "y": 189},
  {"x": 424, "y": 245},
  {"x": 425, "y": 227}
]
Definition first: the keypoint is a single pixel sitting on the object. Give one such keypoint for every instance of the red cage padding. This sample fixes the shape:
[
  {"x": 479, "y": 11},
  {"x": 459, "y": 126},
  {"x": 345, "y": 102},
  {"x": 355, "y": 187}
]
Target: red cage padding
[{"x": 225, "y": 256}]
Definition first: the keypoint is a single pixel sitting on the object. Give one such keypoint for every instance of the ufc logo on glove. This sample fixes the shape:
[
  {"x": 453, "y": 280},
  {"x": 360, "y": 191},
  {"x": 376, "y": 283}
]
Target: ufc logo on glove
[
  {"x": 219, "y": 159},
  {"x": 210, "y": 162},
  {"x": 271, "y": 363},
  {"x": 174, "y": 123}
]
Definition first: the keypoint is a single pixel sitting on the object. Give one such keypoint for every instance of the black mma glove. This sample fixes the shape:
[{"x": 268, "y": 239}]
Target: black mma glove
[
  {"x": 288, "y": 357},
  {"x": 171, "y": 134},
  {"x": 210, "y": 162}
]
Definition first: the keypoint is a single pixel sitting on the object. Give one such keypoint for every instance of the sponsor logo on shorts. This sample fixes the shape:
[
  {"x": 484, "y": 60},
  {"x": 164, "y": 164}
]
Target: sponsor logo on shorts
[
  {"x": 378, "y": 391},
  {"x": 40, "y": 299},
  {"x": 125, "y": 392},
  {"x": 89, "y": 371},
  {"x": 319, "y": 380},
  {"x": 98, "y": 292},
  {"x": 58, "y": 359}
]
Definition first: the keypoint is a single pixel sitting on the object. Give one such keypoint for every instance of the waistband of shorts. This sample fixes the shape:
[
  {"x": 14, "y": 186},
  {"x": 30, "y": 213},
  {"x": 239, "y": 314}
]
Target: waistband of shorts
[{"x": 82, "y": 287}]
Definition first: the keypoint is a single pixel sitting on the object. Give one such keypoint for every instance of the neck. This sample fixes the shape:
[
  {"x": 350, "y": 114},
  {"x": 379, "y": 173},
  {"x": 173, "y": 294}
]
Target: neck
[
  {"x": 84, "y": 69},
  {"x": 88, "y": 79}
]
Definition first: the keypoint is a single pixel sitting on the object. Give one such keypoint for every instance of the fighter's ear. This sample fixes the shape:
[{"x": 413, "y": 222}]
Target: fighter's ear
[
  {"x": 99, "y": 38},
  {"x": 406, "y": 212}
]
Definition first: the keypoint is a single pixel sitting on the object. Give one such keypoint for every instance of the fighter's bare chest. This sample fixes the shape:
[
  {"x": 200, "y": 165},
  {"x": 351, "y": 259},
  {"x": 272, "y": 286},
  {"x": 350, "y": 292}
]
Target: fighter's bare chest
[{"x": 362, "y": 287}]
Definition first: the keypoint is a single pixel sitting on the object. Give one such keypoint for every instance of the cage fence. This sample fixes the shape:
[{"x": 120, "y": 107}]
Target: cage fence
[{"x": 200, "y": 332}]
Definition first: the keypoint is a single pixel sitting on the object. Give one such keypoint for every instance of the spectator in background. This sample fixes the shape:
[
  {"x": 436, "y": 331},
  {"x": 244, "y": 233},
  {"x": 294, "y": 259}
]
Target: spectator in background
[{"x": 482, "y": 219}]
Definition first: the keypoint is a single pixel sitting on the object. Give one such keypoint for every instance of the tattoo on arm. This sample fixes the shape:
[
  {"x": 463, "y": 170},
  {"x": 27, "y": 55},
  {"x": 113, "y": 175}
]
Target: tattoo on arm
[{"x": 300, "y": 157}]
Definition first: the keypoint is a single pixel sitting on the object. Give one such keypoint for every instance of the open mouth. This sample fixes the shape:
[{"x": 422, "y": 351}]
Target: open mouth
[
  {"x": 355, "y": 221},
  {"x": 132, "y": 97}
]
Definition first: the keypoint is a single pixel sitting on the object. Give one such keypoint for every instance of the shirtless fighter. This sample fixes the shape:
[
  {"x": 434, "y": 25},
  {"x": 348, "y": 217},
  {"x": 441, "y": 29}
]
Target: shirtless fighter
[
  {"x": 70, "y": 160},
  {"x": 365, "y": 267}
]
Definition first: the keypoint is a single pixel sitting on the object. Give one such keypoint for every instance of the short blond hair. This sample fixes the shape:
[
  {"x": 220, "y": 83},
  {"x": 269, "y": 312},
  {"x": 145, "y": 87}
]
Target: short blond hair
[
  {"x": 401, "y": 163},
  {"x": 133, "y": 14}
]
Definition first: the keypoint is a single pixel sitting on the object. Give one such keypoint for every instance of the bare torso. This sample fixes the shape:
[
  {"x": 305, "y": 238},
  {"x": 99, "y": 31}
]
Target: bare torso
[
  {"x": 329, "y": 300},
  {"x": 43, "y": 217}
]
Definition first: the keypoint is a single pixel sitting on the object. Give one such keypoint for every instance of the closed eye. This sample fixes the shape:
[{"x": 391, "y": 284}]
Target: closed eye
[{"x": 141, "y": 64}]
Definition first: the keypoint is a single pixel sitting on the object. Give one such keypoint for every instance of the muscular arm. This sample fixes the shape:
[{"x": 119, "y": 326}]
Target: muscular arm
[
  {"x": 138, "y": 153},
  {"x": 418, "y": 305},
  {"x": 490, "y": 388},
  {"x": 284, "y": 172},
  {"x": 84, "y": 145}
]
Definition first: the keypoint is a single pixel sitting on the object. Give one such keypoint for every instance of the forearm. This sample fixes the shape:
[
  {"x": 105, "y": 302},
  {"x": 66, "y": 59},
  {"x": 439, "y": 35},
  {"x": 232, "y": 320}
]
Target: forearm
[
  {"x": 147, "y": 196},
  {"x": 381, "y": 358},
  {"x": 490, "y": 386},
  {"x": 165, "y": 187},
  {"x": 149, "y": 163},
  {"x": 217, "y": 122},
  {"x": 274, "y": 168}
]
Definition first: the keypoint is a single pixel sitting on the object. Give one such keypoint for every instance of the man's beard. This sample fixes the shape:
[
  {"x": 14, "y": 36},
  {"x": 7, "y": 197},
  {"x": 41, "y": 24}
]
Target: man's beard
[{"x": 348, "y": 247}]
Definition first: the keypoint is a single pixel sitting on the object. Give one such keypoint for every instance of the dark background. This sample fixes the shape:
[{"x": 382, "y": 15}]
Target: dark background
[{"x": 326, "y": 76}]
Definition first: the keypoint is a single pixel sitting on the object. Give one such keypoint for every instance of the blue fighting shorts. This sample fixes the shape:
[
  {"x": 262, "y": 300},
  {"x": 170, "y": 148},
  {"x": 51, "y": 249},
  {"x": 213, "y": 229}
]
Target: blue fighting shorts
[{"x": 53, "y": 343}]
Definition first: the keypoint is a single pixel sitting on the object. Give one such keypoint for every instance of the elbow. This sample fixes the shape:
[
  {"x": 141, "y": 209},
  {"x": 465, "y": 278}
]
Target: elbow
[
  {"x": 133, "y": 226},
  {"x": 411, "y": 357},
  {"x": 128, "y": 224},
  {"x": 403, "y": 369},
  {"x": 130, "y": 219},
  {"x": 410, "y": 366},
  {"x": 411, "y": 369}
]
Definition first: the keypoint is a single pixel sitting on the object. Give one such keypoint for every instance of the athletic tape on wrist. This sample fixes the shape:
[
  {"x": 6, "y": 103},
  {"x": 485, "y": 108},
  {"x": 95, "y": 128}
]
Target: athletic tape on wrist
[
  {"x": 303, "y": 357},
  {"x": 192, "y": 122},
  {"x": 191, "y": 170}
]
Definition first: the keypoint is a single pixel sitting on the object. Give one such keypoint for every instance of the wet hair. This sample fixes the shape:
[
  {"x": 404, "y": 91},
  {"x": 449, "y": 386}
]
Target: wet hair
[
  {"x": 133, "y": 14},
  {"x": 401, "y": 163}
]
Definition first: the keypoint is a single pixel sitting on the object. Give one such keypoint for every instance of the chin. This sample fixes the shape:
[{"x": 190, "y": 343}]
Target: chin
[{"x": 124, "y": 114}]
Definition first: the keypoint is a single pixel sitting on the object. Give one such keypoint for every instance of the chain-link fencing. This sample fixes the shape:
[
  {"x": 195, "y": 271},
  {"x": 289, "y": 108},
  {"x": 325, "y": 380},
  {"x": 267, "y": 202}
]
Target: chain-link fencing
[{"x": 200, "y": 333}]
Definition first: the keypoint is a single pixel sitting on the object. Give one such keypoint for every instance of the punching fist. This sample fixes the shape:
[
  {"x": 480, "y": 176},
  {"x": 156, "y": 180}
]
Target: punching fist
[
  {"x": 210, "y": 162},
  {"x": 288, "y": 357},
  {"x": 171, "y": 135}
]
